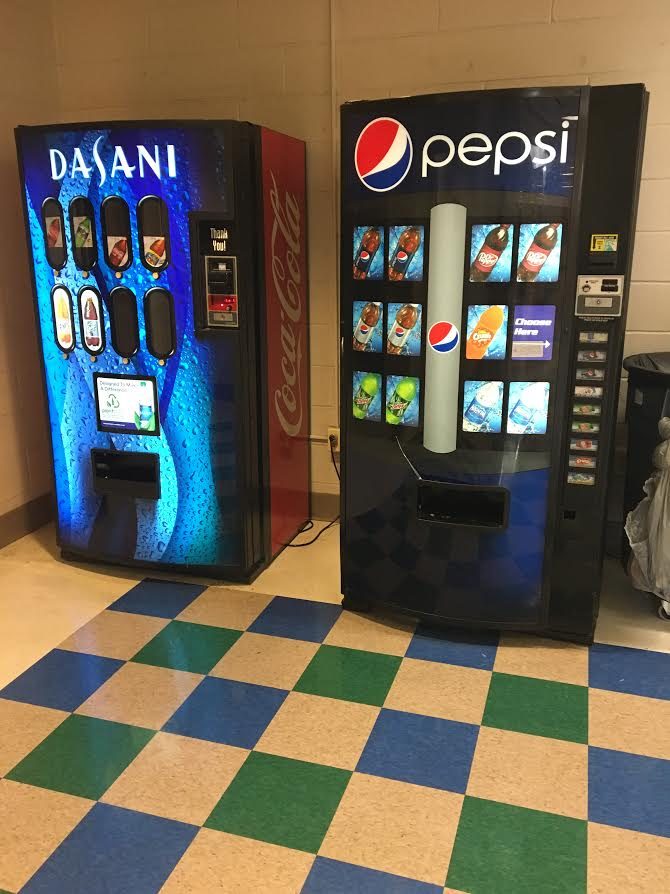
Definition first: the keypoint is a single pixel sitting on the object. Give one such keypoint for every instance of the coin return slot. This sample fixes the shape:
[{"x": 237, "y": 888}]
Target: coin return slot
[
  {"x": 464, "y": 505},
  {"x": 126, "y": 473}
]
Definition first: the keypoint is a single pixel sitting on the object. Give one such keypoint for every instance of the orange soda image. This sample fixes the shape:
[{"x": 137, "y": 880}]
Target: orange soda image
[{"x": 485, "y": 331}]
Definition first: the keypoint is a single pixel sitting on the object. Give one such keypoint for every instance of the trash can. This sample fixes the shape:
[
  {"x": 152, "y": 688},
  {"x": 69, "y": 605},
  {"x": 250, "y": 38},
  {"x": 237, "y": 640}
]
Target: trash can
[{"x": 647, "y": 402}]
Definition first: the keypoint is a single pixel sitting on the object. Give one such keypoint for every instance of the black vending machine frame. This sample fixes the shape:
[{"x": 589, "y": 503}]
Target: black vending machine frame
[{"x": 610, "y": 141}]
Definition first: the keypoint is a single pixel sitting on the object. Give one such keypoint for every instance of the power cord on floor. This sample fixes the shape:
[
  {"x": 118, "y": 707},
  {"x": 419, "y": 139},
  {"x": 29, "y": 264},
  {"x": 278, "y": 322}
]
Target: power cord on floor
[{"x": 310, "y": 524}]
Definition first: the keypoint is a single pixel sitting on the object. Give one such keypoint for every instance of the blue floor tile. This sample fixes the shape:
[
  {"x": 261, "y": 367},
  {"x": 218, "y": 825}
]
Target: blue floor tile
[
  {"x": 637, "y": 671},
  {"x": 160, "y": 598},
  {"x": 114, "y": 851},
  {"x": 463, "y": 647},
  {"x": 227, "y": 711},
  {"x": 61, "y": 680},
  {"x": 332, "y": 877},
  {"x": 423, "y": 750},
  {"x": 629, "y": 791},
  {"x": 297, "y": 619}
]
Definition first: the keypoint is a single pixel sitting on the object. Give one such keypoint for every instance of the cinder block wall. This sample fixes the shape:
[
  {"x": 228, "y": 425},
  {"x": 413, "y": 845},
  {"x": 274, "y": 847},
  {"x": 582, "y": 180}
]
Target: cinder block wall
[{"x": 289, "y": 64}]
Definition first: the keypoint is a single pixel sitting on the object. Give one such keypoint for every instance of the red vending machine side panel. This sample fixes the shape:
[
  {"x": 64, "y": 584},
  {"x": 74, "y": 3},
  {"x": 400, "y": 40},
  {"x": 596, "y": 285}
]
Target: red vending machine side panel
[{"x": 287, "y": 398}]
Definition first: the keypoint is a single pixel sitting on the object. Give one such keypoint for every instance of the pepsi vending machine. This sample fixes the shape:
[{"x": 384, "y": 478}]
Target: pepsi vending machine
[
  {"x": 487, "y": 241},
  {"x": 169, "y": 272}
]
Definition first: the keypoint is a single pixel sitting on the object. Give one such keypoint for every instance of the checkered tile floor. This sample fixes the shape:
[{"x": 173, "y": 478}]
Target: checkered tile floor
[{"x": 203, "y": 740}]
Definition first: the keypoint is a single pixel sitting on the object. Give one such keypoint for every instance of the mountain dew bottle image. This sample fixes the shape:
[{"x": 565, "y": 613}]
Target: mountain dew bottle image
[
  {"x": 402, "y": 396},
  {"x": 365, "y": 394}
]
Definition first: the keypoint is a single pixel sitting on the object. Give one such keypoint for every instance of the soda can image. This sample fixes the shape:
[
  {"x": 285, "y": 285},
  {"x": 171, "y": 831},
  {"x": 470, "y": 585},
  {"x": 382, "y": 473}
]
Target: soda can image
[
  {"x": 367, "y": 323},
  {"x": 482, "y": 406},
  {"x": 486, "y": 332},
  {"x": 402, "y": 400},
  {"x": 539, "y": 252},
  {"x": 405, "y": 253},
  {"x": 585, "y": 428},
  {"x": 590, "y": 374},
  {"x": 403, "y": 335},
  {"x": 584, "y": 444},
  {"x": 584, "y": 478},
  {"x": 582, "y": 462},
  {"x": 491, "y": 252},
  {"x": 528, "y": 408},
  {"x": 586, "y": 409},
  {"x": 588, "y": 391},
  {"x": 593, "y": 338},
  {"x": 367, "y": 396},
  {"x": 592, "y": 356},
  {"x": 368, "y": 258}
]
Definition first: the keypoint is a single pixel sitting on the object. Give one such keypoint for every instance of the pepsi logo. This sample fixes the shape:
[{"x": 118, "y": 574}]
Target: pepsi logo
[
  {"x": 443, "y": 337},
  {"x": 364, "y": 255},
  {"x": 402, "y": 256},
  {"x": 383, "y": 154},
  {"x": 399, "y": 331}
]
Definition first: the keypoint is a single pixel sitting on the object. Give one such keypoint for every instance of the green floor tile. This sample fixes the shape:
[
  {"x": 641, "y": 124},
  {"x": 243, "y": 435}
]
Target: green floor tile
[
  {"x": 282, "y": 801},
  {"x": 188, "y": 647},
  {"x": 349, "y": 674},
  {"x": 83, "y": 756},
  {"x": 540, "y": 707},
  {"x": 512, "y": 850}
]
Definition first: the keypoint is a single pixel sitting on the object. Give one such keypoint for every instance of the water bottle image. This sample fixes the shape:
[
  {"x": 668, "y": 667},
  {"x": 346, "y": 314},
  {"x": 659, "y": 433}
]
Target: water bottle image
[
  {"x": 528, "y": 402},
  {"x": 483, "y": 411}
]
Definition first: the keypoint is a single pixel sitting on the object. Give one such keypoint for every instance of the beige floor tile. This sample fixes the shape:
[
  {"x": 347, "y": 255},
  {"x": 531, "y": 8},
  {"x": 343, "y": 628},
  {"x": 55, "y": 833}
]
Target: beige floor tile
[
  {"x": 395, "y": 827},
  {"x": 219, "y": 863},
  {"x": 530, "y": 771},
  {"x": 220, "y": 607},
  {"x": 141, "y": 695},
  {"x": 33, "y": 822},
  {"x": 266, "y": 660},
  {"x": 623, "y": 862},
  {"x": 115, "y": 635},
  {"x": 22, "y": 728},
  {"x": 177, "y": 777},
  {"x": 440, "y": 690},
  {"x": 373, "y": 633},
  {"x": 532, "y": 656},
  {"x": 629, "y": 723},
  {"x": 321, "y": 730}
]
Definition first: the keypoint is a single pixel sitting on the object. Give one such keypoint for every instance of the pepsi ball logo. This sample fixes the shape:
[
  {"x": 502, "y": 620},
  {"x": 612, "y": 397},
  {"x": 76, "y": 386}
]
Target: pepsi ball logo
[
  {"x": 364, "y": 255},
  {"x": 443, "y": 337},
  {"x": 383, "y": 154},
  {"x": 402, "y": 256}
]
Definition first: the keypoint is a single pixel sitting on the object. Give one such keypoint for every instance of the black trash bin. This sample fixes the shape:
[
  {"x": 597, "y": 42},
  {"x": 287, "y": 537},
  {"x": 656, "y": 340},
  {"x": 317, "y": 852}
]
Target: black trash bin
[{"x": 648, "y": 400}]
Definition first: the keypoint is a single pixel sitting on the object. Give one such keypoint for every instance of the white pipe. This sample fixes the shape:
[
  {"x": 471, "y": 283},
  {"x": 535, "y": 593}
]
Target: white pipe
[{"x": 445, "y": 303}]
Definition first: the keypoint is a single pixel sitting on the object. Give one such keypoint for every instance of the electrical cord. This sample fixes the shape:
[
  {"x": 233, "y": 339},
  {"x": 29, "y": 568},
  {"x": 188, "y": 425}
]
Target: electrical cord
[{"x": 310, "y": 524}]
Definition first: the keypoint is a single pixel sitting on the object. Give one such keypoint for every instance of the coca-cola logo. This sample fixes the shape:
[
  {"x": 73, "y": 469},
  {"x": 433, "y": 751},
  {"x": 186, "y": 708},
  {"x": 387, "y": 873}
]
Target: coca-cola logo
[{"x": 287, "y": 280}]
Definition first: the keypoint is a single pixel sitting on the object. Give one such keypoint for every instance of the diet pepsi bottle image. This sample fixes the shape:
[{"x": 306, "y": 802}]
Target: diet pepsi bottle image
[
  {"x": 544, "y": 242},
  {"x": 365, "y": 328},
  {"x": 487, "y": 257},
  {"x": 367, "y": 249},
  {"x": 406, "y": 248}
]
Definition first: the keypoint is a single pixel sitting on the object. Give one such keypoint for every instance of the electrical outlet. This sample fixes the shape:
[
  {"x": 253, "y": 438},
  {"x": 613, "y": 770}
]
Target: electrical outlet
[{"x": 335, "y": 434}]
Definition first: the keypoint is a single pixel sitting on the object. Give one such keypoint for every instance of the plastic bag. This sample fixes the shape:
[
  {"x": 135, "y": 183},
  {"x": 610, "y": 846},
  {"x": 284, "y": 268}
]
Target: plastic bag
[{"x": 648, "y": 525}]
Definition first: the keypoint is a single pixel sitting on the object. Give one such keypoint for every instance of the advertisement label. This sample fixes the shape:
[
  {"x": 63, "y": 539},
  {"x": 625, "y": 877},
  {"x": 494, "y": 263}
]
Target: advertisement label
[
  {"x": 533, "y": 333},
  {"x": 126, "y": 404},
  {"x": 487, "y": 332}
]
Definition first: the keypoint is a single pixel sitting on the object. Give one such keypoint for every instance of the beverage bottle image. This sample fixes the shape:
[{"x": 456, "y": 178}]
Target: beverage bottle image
[
  {"x": 155, "y": 254},
  {"x": 408, "y": 243},
  {"x": 54, "y": 234},
  {"x": 529, "y": 403},
  {"x": 82, "y": 233},
  {"x": 541, "y": 247},
  {"x": 478, "y": 410},
  {"x": 485, "y": 331},
  {"x": 63, "y": 323},
  {"x": 366, "y": 393},
  {"x": 91, "y": 325},
  {"x": 402, "y": 397},
  {"x": 489, "y": 253},
  {"x": 367, "y": 249},
  {"x": 405, "y": 321},
  {"x": 145, "y": 416},
  {"x": 118, "y": 253},
  {"x": 365, "y": 328}
]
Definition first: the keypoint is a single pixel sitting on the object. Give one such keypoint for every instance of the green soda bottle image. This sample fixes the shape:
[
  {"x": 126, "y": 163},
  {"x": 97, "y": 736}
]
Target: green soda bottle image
[
  {"x": 365, "y": 394},
  {"x": 82, "y": 234},
  {"x": 402, "y": 397}
]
